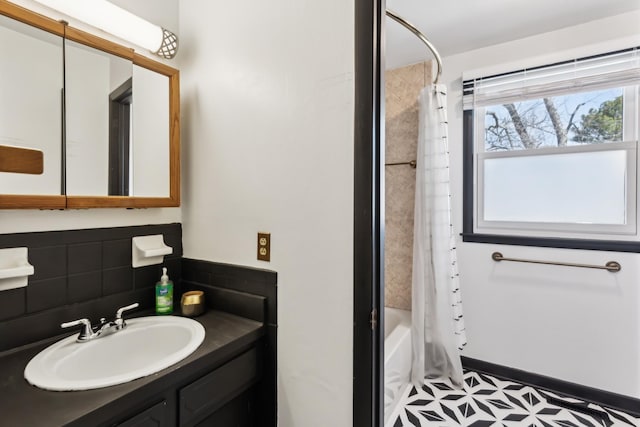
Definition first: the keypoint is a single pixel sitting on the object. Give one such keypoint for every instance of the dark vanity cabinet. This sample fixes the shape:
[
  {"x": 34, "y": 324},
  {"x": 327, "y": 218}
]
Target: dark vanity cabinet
[
  {"x": 202, "y": 398},
  {"x": 225, "y": 396},
  {"x": 159, "y": 415}
]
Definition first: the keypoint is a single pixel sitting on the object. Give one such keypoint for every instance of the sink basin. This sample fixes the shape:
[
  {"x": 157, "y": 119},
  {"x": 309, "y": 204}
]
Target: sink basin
[{"x": 147, "y": 345}]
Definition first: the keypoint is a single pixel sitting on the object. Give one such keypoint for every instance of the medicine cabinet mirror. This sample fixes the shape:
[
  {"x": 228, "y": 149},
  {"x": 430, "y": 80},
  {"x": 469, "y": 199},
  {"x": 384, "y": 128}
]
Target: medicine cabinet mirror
[
  {"x": 107, "y": 126},
  {"x": 31, "y": 99}
]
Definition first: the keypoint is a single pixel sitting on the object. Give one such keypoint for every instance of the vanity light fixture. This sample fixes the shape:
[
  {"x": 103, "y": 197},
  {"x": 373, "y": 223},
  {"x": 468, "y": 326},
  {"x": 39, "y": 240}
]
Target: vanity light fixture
[{"x": 121, "y": 23}]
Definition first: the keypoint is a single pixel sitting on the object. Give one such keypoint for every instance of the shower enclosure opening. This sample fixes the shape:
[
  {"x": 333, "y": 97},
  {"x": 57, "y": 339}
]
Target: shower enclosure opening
[{"x": 424, "y": 327}]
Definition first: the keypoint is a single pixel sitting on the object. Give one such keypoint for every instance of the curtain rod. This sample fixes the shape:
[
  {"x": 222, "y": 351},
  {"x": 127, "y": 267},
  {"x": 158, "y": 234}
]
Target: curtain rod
[{"x": 391, "y": 14}]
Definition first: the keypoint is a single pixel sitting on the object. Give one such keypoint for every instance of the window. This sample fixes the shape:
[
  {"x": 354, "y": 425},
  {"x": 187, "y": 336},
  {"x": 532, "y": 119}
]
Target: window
[{"x": 551, "y": 152}]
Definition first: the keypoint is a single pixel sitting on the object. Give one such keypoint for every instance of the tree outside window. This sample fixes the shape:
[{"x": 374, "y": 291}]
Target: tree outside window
[{"x": 558, "y": 121}]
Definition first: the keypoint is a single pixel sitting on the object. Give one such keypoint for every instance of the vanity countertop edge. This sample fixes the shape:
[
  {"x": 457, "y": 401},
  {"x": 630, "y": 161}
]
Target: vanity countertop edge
[{"x": 226, "y": 336}]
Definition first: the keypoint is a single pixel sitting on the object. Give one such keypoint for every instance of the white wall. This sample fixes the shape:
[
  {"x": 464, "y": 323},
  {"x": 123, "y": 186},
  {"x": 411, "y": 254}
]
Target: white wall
[
  {"x": 267, "y": 109},
  {"x": 574, "y": 324},
  {"x": 165, "y": 13}
]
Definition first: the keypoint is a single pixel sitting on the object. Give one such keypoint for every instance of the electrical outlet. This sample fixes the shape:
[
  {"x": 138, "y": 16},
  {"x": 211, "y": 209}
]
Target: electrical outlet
[{"x": 264, "y": 246}]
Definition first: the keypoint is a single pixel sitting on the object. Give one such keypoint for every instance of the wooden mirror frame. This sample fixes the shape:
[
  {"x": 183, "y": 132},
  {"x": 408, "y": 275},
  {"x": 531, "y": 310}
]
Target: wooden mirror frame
[{"x": 84, "y": 202}]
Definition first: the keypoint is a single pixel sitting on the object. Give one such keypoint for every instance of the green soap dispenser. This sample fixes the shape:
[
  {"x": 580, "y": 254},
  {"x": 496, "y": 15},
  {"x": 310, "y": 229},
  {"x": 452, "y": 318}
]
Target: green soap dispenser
[{"x": 164, "y": 294}]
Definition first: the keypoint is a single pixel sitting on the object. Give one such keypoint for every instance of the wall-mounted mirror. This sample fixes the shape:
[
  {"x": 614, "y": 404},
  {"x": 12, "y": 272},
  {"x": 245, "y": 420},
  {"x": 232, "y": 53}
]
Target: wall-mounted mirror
[
  {"x": 150, "y": 151},
  {"x": 31, "y": 97},
  {"x": 98, "y": 116},
  {"x": 117, "y": 126},
  {"x": 118, "y": 145}
]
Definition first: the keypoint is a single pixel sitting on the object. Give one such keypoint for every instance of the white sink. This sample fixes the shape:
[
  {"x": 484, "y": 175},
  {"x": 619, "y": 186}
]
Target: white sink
[{"x": 147, "y": 345}]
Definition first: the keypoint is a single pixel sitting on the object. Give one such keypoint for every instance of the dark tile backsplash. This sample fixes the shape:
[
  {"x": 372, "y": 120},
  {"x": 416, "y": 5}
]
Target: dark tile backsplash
[
  {"x": 84, "y": 287},
  {"x": 115, "y": 280},
  {"x": 80, "y": 273},
  {"x": 84, "y": 257},
  {"x": 13, "y": 303},
  {"x": 51, "y": 260},
  {"x": 45, "y": 294},
  {"x": 242, "y": 279},
  {"x": 116, "y": 253}
]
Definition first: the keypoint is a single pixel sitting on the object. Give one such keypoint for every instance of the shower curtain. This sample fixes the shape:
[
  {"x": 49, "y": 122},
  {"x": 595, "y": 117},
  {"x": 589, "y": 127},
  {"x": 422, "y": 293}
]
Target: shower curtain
[{"x": 437, "y": 322}]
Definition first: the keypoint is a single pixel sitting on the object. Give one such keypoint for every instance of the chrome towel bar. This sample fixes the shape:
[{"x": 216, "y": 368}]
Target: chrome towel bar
[
  {"x": 412, "y": 163},
  {"x": 611, "y": 266}
]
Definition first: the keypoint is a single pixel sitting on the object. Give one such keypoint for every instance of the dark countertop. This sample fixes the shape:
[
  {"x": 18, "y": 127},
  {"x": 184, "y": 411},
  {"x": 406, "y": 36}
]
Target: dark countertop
[{"x": 24, "y": 405}]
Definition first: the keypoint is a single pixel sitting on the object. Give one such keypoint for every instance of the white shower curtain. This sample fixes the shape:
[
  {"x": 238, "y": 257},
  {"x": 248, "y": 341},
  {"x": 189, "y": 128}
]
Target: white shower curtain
[{"x": 437, "y": 323}]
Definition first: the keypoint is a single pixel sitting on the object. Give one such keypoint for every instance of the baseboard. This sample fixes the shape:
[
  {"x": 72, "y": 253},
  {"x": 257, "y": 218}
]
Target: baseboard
[{"x": 588, "y": 394}]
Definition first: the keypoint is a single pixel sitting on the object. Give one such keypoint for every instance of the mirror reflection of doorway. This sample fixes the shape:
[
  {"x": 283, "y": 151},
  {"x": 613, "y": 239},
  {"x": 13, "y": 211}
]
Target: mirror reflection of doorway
[{"x": 120, "y": 101}]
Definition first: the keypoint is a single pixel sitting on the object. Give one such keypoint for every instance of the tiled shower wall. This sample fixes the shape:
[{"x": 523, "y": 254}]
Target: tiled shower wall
[
  {"x": 80, "y": 273},
  {"x": 402, "y": 87}
]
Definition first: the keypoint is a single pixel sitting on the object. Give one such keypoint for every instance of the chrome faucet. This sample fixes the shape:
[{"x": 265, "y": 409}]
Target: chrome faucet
[{"x": 88, "y": 332}]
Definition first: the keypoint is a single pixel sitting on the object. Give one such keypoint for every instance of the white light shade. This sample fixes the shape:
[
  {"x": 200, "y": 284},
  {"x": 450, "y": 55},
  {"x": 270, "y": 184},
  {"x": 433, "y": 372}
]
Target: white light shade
[{"x": 111, "y": 19}]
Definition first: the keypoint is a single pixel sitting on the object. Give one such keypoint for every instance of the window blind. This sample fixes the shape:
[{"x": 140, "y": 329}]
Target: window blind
[{"x": 616, "y": 69}]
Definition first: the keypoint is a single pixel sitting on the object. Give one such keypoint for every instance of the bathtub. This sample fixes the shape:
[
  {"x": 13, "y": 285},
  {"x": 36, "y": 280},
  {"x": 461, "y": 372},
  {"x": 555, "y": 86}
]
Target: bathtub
[{"x": 397, "y": 356}]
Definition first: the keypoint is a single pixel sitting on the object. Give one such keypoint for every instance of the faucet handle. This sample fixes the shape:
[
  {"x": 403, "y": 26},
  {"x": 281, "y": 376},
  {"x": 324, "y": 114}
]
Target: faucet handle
[
  {"x": 86, "y": 327},
  {"x": 126, "y": 308}
]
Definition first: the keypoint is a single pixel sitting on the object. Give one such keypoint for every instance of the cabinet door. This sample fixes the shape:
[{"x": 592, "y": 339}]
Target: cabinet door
[
  {"x": 156, "y": 416},
  {"x": 201, "y": 398},
  {"x": 237, "y": 413}
]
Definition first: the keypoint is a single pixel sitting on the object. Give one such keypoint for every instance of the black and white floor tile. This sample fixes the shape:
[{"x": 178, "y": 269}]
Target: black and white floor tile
[{"x": 487, "y": 401}]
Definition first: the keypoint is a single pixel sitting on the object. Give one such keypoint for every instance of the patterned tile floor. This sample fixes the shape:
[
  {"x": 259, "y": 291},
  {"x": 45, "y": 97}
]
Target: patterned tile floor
[{"x": 487, "y": 401}]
